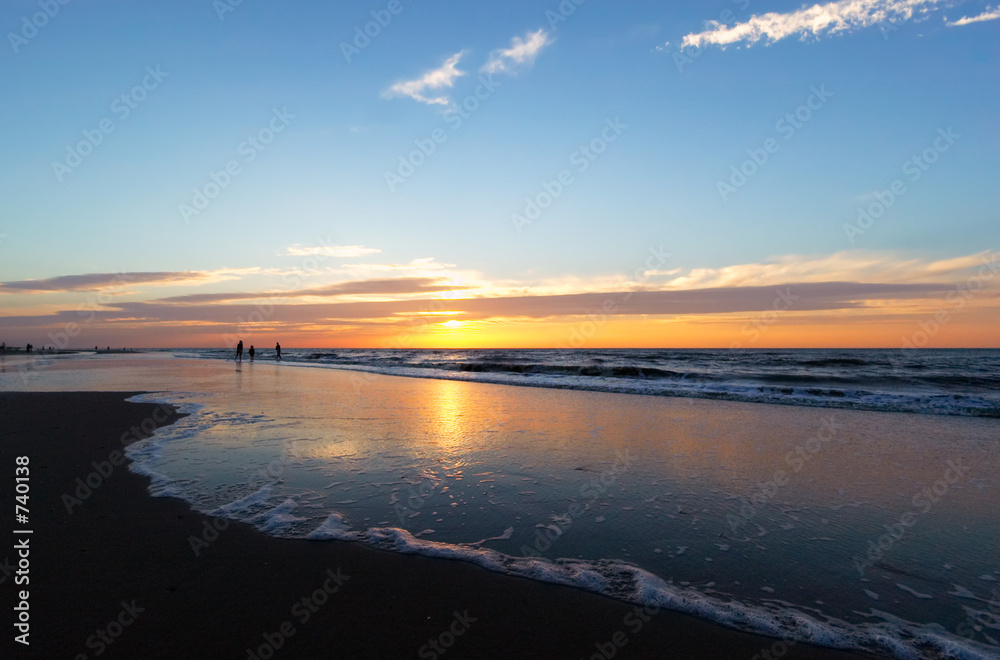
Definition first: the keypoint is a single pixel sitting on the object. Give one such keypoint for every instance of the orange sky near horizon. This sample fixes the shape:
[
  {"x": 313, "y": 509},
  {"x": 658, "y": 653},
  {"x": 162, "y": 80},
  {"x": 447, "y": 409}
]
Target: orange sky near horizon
[
  {"x": 846, "y": 331},
  {"x": 848, "y": 300}
]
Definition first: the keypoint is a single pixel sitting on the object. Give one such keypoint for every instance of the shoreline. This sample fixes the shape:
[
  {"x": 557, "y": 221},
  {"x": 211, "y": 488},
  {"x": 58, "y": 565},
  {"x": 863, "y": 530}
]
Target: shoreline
[{"x": 225, "y": 589}]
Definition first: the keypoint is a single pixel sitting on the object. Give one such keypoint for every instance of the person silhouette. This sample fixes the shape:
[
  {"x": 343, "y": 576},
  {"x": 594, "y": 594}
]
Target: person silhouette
[
  {"x": 251, "y": 352},
  {"x": 239, "y": 351},
  {"x": 277, "y": 349}
]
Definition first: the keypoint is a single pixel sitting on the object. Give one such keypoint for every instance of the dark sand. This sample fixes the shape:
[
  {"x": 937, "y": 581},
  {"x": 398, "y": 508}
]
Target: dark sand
[{"x": 121, "y": 545}]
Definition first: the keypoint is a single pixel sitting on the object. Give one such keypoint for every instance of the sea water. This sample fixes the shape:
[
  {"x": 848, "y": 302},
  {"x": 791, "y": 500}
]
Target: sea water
[{"x": 856, "y": 529}]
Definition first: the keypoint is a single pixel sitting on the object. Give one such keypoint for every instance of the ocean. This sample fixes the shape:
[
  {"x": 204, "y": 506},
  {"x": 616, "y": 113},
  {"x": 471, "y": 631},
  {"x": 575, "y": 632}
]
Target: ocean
[
  {"x": 939, "y": 382},
  {"x": 859, "y": 513}
]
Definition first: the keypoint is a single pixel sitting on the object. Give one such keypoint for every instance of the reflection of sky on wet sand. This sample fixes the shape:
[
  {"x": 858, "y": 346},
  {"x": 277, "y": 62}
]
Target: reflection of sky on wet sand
[{"x": 460, "y": 462}]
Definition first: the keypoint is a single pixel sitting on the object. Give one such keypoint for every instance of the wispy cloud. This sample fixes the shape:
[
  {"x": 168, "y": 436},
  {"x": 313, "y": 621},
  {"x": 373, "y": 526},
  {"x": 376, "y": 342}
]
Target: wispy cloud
[
  {"x": 814, "y": 21},
  {"x": 340, "y": 251},
  {"x": 522, "y": 51},
  {"x": 849, "y": 266},
  {"x": 417, "y": 265},
  {"x": 991, "y": 14},
  {"x": 381, "y": 287},
  {"x": 442, "y": 77},
  {"x": 814, "y": 296},
  {"x": 102, "y": 281}
]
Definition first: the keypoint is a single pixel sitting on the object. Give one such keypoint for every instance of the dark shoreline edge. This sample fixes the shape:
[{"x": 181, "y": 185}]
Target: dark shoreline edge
[{"x": 243, "y": 588}]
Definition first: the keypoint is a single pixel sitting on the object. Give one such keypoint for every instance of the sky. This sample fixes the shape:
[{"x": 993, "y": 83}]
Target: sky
[{"x": 737, "y": 173}]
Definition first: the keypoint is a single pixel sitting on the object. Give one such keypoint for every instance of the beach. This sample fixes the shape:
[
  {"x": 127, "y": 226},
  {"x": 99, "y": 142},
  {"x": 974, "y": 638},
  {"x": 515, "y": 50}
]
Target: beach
[
  {"x": 279, "y": 508},
  {"x": 500, "y": 330},
  {"x": 122, "y": 549}
]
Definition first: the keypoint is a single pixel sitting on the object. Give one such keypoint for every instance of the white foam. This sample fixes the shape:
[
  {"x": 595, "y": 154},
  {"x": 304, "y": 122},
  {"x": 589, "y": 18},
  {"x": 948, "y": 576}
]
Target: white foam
[
  {"x": 257, "y": 497},
  {"x": 278, "y": 518},
  {"x": 146, "y": 455},
  {"x": 914, "y": 592},
  {"x": 962, "y": 592},
  {"x": 334, "y": 527},
  {"x": 507, "y": 534}
]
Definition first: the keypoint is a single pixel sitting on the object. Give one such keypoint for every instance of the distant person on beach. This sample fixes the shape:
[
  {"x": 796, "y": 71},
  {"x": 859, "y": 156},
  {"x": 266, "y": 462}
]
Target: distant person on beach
[
  {"x": 27, "y": 349},
  {"x": 239, "y": 351},
  {"x": 251, "y": 352},
  {"x": 277, "y": 349}
]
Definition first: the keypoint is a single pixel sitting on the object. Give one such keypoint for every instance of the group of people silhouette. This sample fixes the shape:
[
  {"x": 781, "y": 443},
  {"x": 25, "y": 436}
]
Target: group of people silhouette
[{"x": 252, "y": 352}]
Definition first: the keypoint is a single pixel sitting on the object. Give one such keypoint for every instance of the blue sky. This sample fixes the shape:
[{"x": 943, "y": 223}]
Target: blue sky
[{"x": 692, "y": 113}]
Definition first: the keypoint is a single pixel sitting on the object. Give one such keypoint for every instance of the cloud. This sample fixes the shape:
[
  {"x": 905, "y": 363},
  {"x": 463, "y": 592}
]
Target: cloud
[
  {"x": 340, "y": 251},
  {"x": 849, "y": 266},
  {"x": 991, "y": 14},
  {"x": 120, "y": 281},
  {"x": 847, "y": 287},
  {"x": 442, "y": 77},
  {"x": 814, "y": 21},
  {"x": 814, "y": 296},
  {"x": 522, "y": 51},
  {"x": 381, "y": 287}
]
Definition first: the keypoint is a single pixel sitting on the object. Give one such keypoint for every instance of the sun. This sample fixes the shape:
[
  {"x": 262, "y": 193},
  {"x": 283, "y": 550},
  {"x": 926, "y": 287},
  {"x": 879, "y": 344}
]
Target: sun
[{"x": 453, "y": 324}]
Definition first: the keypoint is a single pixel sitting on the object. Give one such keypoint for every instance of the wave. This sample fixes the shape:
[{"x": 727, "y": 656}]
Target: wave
[
  {"x": 956, "y": 382},
  {"x": 836, "y": 362}
]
